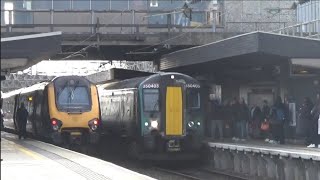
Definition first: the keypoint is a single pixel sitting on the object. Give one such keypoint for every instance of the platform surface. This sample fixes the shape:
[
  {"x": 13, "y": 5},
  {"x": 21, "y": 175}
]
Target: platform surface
[
  {"x": 31, "y": 159},
  {"x": 259, "y": 146}
]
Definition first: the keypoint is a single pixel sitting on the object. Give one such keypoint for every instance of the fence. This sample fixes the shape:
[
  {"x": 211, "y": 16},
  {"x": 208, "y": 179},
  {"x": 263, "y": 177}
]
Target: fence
[{"x": 120, "y": 22}]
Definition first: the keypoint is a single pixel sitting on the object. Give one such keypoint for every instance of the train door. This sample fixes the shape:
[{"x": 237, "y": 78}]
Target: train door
[{"x": 174, "y": 110}]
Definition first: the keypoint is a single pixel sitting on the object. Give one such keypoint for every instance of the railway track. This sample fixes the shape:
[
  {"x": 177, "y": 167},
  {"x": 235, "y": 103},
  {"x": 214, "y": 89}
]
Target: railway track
[{"x": 202, "y": 174}]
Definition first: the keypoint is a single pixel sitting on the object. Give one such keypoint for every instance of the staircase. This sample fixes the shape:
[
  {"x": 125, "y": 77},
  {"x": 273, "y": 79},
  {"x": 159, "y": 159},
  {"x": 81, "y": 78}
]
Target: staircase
[{"x": 309, "y": 29}]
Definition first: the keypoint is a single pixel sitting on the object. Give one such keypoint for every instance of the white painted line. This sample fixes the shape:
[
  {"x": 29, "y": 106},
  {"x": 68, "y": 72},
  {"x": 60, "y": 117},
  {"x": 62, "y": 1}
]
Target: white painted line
[{"x": 31, "y": 36}]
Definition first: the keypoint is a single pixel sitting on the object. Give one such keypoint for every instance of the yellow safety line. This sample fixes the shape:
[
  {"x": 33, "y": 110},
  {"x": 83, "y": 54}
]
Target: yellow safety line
[{"x": 30, "y": 153}]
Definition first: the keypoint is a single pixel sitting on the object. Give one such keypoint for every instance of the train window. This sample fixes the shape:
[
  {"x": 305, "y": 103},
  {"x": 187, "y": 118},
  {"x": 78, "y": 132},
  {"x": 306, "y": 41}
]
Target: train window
[
  {"x": 193, "y": 99},
  {"x": 74, "y": 97},
  {"x": 151, "y": 99}
]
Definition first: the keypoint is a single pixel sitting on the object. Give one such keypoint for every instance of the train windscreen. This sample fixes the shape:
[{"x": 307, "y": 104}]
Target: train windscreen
[
  {"x": 73, "y": 98},
  {"x": 193, "y": 99},
  {"x": 151, "y": 99}
]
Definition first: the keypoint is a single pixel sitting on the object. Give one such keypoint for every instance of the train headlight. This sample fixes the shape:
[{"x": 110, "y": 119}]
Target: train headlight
[
  {"x": 154, "y": 124},
  {"x": 191, "y": 124},
  {"x": 146, "y": 124},
  {"x": 56, "y": 124},
  {"x": 94, "y": 124},
  {"x": 198, "y": 123}
]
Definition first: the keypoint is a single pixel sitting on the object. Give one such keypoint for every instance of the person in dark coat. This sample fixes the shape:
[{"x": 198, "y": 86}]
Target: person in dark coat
[
  {"x": 265, "y": 110},
  {"x": 305, "y": 116},
  {"x": 278, "y": 116},
  {"x": 22, "y": 115},
  {"x": 2, "y": 119},
  {"x": 256, "y": 120},
  {"x": 314, "y": 124},
  {"x": 215, "y": 117},
  {"x": 244, "y": 116}
]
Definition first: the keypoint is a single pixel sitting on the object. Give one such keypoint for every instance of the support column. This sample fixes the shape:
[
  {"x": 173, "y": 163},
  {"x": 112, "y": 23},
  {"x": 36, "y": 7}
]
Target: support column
[
  {"x": 312, "y": 170},
  {"x": 236, "y": 162},
  {"x": 245, "y": 161},
  {"x": 253, "y": 161},
  {"x": 261, "y": 166}
]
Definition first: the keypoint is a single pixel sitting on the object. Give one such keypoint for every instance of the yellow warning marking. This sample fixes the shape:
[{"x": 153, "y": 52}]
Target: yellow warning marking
[{"x": 30, "y": 153}]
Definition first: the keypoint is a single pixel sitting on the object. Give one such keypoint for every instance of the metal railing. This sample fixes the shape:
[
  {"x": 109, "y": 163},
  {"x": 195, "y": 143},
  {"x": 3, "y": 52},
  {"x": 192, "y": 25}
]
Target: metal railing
[
  {"x": 309, "y": 29},
  {"x": 83, "y": 21},
  {"x": 120, "y": 22}
]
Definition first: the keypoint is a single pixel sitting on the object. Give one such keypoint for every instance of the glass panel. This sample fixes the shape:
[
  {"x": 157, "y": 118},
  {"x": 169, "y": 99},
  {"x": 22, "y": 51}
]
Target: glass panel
[
  {"x": 181, "y": 19},
  {"x": 138, "y": 5},
  {"x": 61, "y": 4},
  {"x": 165, "y": 5},
  {"x": 41, "y": 4},
  {"x": 158, "y": 19},
  {"x": 151, "y": 99},
  {"x": 23, "y": 18},
  {"x": 100, "y": 4},
  {"x": 193, "y": 99},
  {"x": 198, "y": 17},
  {"x": 8, "y": 15},
  {"x": 81, "y": 4},
  {"x": 119, "y": 5},
  {"x": 73, "y": 97}
]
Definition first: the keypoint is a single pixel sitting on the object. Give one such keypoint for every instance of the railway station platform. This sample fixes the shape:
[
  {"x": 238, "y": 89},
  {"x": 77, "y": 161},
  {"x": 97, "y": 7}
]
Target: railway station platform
[
  {"x": 262, "y": 160},
  {"x": 31, "y": 159}
]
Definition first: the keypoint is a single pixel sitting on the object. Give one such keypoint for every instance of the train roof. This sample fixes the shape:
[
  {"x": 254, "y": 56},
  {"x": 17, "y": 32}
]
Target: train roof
[
  {"x": 135, "y": 82},
  {"x": 128, "y": 83},
  {"x": 39, "y": 86}
]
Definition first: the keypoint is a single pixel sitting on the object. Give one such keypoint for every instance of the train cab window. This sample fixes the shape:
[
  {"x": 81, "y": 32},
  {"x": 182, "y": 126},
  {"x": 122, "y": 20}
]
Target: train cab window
[
  {"x": 73, "y": 97},
  {"x": 151, "y": 99},
  {"x": 193, "y": 99}
]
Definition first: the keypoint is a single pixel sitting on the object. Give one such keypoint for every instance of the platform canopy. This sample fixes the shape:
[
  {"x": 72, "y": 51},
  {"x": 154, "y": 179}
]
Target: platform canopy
[
  {"x": 246, "y": 55},
  {"x": 21, "y": 52}
]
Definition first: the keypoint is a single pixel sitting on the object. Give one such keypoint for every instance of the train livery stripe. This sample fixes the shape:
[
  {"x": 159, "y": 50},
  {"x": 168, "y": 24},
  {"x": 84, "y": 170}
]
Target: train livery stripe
[{"x": 174, "y": 111}]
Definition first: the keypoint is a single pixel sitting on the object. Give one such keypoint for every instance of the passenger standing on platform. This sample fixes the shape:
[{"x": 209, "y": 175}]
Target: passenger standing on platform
[
  {"x": 227, "y": 118},
  {"x": 244, "y": 116},
  {"x": 2, "y": 119},
  {"x": 22, "y": 115},
  {"x": 278, "y": 118},
  {"x": 234, "y": 108},
  {"x": 216, "y": 118},
  {"x": 265, "y": 117},
  {"x": 305, "y": 116},
  {"x": 315, "y": 123},
  {"x": 255, "y": 121},
  {"x": 265, "y": 110}
]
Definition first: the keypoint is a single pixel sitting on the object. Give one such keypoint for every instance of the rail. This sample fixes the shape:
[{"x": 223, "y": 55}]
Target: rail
[{"x": 309, "y": 29}]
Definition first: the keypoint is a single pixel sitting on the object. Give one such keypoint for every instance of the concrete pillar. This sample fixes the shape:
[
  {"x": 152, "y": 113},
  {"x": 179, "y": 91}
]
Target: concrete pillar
[
  {"x": 253, "y": 165},
  {"x": 211, "y": 158},
  {"x": 216, "y": 162},
  {"x": 289, "y": 169},
  {"x": 271, "y": 168},
  {"x": 279, "y": 168},
  {"x": 229, "y": 161},
  {"x": 245, "y": 161},
  {"x": 236, "y": 162},
  {"x": 300, "y": 171},
  {"x": 312, "y": 170},
  {"x": 226, "y": 161},
  {"x": 262, "y": 166}
]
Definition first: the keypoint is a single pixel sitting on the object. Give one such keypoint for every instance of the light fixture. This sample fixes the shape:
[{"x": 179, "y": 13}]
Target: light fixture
[{"x": 154, "y": 124}]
